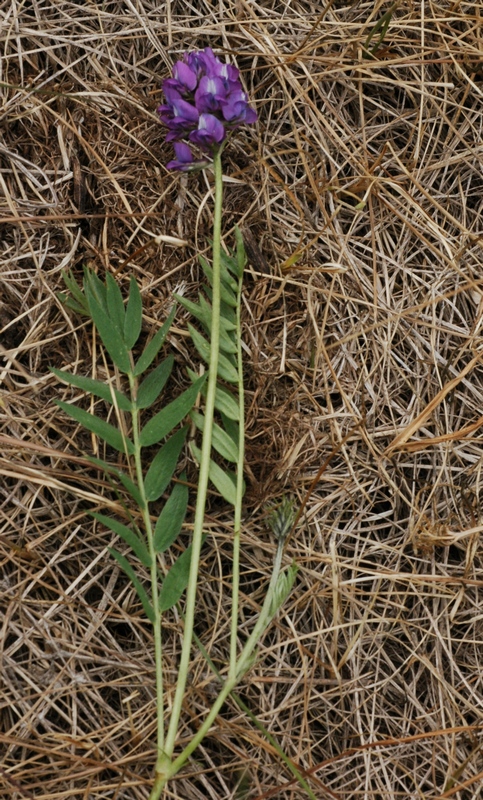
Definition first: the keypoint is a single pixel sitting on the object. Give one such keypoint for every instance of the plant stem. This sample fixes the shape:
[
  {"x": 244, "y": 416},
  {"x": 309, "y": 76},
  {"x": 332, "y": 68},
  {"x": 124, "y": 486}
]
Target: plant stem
[
  {"x": 203, "y": 474},
  {"x": 242, "y": 665},
  {"x": 158, "y": 651},
  {"x": 239, "y": 490}
]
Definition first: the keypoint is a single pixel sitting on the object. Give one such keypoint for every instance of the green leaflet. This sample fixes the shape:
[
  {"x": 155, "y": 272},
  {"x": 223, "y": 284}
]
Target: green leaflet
[
  {"x": 154, "y": 383},
  {"x": 171, "y": 519},
  {"x": 232, "y": 428},
  {"x": 78, "y": 301},
  {"x": 115, "y": 305},
  {"x": 163, "y": 465},
  {"x": 202, "y": 312},
  {"x": 227, "y": 284},
  {"x": 104, "y": 430},
  {"x": 142, "y": 594},
  {"x": 226, "y": 369},
  {"x": 134, "y": 315},
  {"x": 225, "y": 402},
  {"x": 132, "y": 539},
  {"x": 98, "y": 388},
  {"x": 108, "y": 330},
  {"x": 154, "y": 346},
  {"x": 223, "y": 480},
  {"x": 176, "y": 580},
  {"x": 221, "y": 440},
  {"x": 241, "y": 258},
  {"x": 96, "y": 288},
  {"x": 171, "y": 415},
  {"x": 126, "y": 481}
]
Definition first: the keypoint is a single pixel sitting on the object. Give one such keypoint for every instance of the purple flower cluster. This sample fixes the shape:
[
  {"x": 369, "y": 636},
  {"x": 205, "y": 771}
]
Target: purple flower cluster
[{"x": 204, "y": 101}]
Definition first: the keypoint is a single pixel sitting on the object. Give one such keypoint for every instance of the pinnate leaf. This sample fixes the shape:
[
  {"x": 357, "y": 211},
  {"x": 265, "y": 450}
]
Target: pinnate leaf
[
  {"x": 163, "y": 465},
  {"x": 171, "y": 415},
  {"x": 172, "y": 516},
  {"x": 103, "y": 429},
  {"x": 142, "y": 594}
]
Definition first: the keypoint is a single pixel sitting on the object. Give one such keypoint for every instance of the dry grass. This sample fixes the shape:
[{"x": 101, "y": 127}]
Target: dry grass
[{"x": 363, "y": 186}]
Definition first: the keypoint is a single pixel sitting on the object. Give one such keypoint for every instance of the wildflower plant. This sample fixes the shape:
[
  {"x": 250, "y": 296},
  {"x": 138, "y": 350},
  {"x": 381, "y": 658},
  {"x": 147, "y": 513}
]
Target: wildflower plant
[{"x": 205, "y": 102}]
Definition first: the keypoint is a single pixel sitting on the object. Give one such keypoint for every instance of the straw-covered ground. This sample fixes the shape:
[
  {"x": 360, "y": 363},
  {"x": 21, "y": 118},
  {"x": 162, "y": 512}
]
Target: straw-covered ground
[{"x": 361, "y": 186}]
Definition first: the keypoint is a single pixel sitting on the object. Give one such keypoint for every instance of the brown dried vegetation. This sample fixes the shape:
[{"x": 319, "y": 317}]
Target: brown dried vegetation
[{"x": 362, "y": 186}]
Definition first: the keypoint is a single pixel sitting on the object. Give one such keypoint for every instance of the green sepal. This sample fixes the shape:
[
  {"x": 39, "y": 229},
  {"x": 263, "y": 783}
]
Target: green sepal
[
  {"x": 135, "y": 543},
  {"x": 171, "y": 415},
  {"x": 126, "y": 481},
  {"x": 154, "y": 346},
  {"x": 225, "y": 401},
  {"x": 163, "y": 465},
  {"x": 176, "y": 580},
  {"x": 104, "y": 430},
  {"x": 133, "y": 319},
  {"x": 226, "y": 369},
  {"x": 142, "y": 594},
  {"x": 97, "y": 388},
  {"x": 170, "y": 521},
  {"x": 220, "y": 440},
  {"x": 154, "y": 383}
]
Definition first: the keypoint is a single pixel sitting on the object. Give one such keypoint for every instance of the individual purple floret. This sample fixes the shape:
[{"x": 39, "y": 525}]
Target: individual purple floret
[{"x": 204, "y": 101}]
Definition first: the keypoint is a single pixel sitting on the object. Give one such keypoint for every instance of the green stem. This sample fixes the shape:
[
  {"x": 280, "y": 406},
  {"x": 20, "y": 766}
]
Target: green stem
[
  {"x": 202, "y": 479},
  {"x": 239, "y": 488},
  {"x": 242, "y": 665},
  {"x": 158, "y": 652}
]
